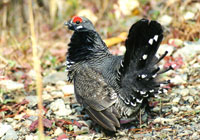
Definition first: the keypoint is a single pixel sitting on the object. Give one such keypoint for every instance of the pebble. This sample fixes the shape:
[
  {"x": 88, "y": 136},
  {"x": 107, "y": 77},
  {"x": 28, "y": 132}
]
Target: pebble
[
  {"x": 175, "y": 109},
  {"x": 193, "y": 92},
  {"x": 166, "y": 130},
  {"x": 189, "y": 15},
  {"x": 33, "y": 118},
  {"x": 165, "y": 109},
  {"x": 79, "y": 109},
  {"x": 189, "y": 108},
  {"x": 85, "y": 129},
  {"x": 84, "y": 123},
  {"x": 186, "y": 108},
  {"x": 184, "y": 92},
  {"x": 27, "y": 123},
  {"x": 11, "y": 135},
  {"x": 165, "y": 20},
  {"x": 185, "y": 132},
  {"x": 29, "y": 137},
  {"x": 73, "y": 117},
  {"x": 24, "y": 130},
  {"x": 176, "y": 42},
  {"x": 178, "y": 79},
  {"x": 32, "y": 74},
  {"x": 189, "y": 51},
  {"x": 68, "y": 89},
  {"x": 58, "y": 131},
  {"x": 176, "y": 99},
  {"x": 89, "y": 123},
  {"x": 32, "y": 101},
  {"x": 83, "y": 137},
  {"x": 195, "y": 136},
  {"x": 16, "y": 125},
  {"x": 190, "y": 99},
  {"x": 18, "y": 74},
  {"x": 60, "y": 83},
  {"x": 46, "y": 96},
  {"x": 11, "y": 85},
  {"x": 165, "y": 47},
  {"x": 9, "y": 119},
  {"x": 53, "y": 78},
  {"x": 76, "y": 129},
  {"x": 19, "y": 116},
  {"x": 125, "y": 138},
  {"x": 137, "y": 136},
  {"x": 4, "y": 129},
  {"x": 49, "y": 88},
  {"x": 164, "y": 121},
  {"x": 197, "y": 107},
  {"x": 59, "y": 108},
  {"x": 156, "y": 109},
  {"x": 56, "y": 94}
]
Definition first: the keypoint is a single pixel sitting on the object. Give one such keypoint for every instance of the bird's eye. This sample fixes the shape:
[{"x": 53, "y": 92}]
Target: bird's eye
[
  {"x": 77, "y": 22},
  {"x": 77, "y": 19}
]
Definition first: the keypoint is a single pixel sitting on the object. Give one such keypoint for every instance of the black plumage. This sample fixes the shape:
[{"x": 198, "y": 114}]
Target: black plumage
[{"x": 112, "y": 88}]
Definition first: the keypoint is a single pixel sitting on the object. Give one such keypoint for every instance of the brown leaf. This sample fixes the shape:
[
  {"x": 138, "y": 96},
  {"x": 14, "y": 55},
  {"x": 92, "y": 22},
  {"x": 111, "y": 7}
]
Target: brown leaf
[
  {"x": 177, "y": 61},
  {"x": 46, "y": 122},
  {"x": 34, "y": 125},
  {"x": 63, "y": 136},
  {"x": 77, "y": 124},
  {"x": 60, "y": 123},
  {"x": 115, "y": 40}
]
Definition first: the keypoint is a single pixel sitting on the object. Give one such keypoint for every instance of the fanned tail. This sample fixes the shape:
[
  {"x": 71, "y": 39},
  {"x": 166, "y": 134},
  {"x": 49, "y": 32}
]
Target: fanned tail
[{"x": 138, "y": 72}]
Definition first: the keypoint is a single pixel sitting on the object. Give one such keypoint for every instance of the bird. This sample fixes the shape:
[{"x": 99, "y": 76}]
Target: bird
[{"x": 112, "y": 88}]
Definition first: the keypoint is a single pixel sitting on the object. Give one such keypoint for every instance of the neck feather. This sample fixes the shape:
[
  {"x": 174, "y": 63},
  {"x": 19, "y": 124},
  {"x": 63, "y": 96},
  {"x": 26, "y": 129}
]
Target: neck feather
[{"x": 86, "y": 45}]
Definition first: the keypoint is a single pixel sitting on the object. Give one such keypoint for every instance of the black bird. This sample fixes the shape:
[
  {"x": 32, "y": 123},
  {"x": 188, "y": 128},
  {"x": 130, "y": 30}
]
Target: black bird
[{"x": 112, "y": 88}]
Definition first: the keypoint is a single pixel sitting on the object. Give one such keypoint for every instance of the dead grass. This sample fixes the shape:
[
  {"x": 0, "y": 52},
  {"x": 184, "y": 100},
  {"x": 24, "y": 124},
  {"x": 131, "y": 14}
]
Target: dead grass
[{"x": 37, "y": 69}]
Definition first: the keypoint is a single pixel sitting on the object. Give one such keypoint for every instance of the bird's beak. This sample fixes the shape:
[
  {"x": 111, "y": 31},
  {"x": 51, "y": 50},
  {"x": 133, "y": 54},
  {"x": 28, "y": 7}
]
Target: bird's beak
[
  {"x": 66, "y": 23},
  {"x": 73, "y": 27},
  {"x": 69, "y": 25}
]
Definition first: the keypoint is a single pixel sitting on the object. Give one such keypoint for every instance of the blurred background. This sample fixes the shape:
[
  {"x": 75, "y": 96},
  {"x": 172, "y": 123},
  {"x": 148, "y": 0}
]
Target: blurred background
[
  {"x": 180, "y": 18},
  {"x": 112, "y": 20}
]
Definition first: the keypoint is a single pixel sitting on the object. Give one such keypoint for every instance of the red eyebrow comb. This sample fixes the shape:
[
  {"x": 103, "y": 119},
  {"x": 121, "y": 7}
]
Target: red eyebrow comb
[{"x": 76, "y": 18}]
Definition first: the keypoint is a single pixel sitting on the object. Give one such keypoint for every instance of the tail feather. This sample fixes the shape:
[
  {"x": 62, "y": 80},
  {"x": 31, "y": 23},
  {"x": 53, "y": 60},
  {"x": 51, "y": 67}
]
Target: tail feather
[
  {"x": 138, "y": 71},
  {"x": 142, "y": 44}
]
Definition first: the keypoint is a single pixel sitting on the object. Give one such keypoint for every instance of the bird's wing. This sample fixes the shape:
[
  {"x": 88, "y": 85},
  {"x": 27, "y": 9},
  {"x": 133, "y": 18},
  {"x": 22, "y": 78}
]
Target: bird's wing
[
  {"x": 138, "y": 71},
  {"x": 97, "y": 97}
]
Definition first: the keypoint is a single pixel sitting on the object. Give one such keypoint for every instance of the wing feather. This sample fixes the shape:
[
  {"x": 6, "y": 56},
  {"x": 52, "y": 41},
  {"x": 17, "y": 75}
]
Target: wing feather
[{"x": 97, "y": 97}]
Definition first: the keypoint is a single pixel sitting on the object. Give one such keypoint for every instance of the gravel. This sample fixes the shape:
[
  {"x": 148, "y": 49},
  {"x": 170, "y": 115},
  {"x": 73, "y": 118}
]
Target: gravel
[
  {"x": 10, "y": 85},
  {"x": 177, "y": 113},
  {"x": 32, "y": 101},
  {"x": 59, "y": 108},
  {"x": 4, "y": 129}
]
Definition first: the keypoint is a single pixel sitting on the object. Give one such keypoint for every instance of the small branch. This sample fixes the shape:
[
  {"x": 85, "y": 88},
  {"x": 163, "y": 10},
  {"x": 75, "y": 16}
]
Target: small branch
[{"x": 38, "y": 71}]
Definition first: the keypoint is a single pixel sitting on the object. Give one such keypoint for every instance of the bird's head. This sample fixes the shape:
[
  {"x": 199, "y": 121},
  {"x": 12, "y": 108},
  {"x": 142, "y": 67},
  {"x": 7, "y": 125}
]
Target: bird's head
[{"x": 79, "y": 24}]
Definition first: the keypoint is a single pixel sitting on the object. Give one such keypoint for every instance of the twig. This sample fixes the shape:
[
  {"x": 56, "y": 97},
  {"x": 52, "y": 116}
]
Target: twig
[
  {"x": 140, "y": 118},
  {"x": 37, "y": 70}
]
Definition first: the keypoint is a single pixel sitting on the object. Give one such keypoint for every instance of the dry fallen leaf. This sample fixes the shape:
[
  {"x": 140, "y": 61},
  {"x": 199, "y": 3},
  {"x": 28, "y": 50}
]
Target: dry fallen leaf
[{"x": 115, "y": 40}]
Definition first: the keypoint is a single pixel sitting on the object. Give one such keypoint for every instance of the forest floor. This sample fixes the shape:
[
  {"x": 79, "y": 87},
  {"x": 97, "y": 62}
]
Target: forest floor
[{"x": 176, "y": 113}]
